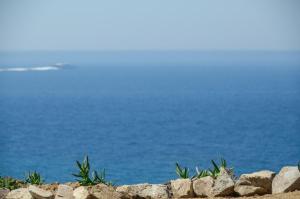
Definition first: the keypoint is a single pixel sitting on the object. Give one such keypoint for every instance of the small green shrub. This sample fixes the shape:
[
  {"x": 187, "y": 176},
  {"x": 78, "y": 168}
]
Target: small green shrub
[
  {"x": 182, "y": 172},
  {"x": 101, "y": 178},
  {"x": 83, "y": 177},
  {"x": 9, "y": 183},
  {"x": 34, "y": 178},
  {"x": 201, "y": 173},
  {"x": 299, "y": 166},
  {"x": 84, "y": 172},
  {"x": 215, "y": 172}
]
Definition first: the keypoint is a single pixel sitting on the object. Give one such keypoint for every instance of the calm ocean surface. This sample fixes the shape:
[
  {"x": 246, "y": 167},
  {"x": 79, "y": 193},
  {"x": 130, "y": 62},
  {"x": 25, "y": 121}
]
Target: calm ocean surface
[{"x": 137, "y": 113}]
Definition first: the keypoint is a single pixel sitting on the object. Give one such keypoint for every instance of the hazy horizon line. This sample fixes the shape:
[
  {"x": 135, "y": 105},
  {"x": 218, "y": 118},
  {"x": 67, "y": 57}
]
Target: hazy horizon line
[{"x": 154, "y": 50}]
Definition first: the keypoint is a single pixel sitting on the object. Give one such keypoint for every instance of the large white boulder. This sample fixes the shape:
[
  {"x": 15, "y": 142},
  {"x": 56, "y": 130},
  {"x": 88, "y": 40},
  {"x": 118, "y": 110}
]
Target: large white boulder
[
  {"x": 64, "y": 192},
  {"x": 21, "y": 193},
  {"x": 82, "y": 193},
  {"x": 223, "y": 185},
  {"x": 288, "y": 179},
  {"x": 38, "y": 193},
  {"x": 145, "y": 191},
  {"x": 257, "y": 183},
  {"x": 203, "y": 186},
  {"x": 182, "y": 188},
  {"x": 99, "y": 191},
  {"x": 102, "y": 191},
  {"x": 249, "y": 190}
]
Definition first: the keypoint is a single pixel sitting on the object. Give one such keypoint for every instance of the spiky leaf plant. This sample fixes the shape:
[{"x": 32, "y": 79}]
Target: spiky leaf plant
[
  {"x": 223, "y": 163},
  {"x": 34, "y": 178},
  {"x": 9, "y": 183},
  {"x": 101, "y": 178},
  {"x": 201, "y": 173},
  {"x": 83, "y": 177},
  {"x": 84, "y": 172},
  {"x": 215, "y": 172},
  {"x": 299, "y": 166},
  {"x": 182, "y": 172}
]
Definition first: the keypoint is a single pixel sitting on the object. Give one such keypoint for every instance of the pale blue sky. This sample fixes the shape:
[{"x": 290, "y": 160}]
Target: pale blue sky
[{"x": 150, "y": 25}]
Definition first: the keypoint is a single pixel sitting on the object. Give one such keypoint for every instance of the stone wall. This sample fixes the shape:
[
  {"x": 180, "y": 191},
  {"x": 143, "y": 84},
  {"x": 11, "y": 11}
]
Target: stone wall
[{"x": 257, "y": 183}]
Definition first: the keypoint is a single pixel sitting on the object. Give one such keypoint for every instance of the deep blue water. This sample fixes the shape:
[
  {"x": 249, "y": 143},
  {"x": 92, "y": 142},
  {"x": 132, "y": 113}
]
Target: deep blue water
[{"x": 137, "y": 113}]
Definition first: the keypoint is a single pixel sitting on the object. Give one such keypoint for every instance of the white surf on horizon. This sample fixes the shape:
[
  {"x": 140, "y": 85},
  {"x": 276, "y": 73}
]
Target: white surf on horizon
[{"x": 56, "y": 66}]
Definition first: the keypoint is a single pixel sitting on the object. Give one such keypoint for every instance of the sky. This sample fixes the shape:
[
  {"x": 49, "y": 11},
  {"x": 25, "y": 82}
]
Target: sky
[{"x": 149, "y": 25}]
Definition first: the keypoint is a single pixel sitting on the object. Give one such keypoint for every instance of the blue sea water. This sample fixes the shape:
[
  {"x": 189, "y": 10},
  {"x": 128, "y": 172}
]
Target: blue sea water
[{"x": 137, "y": 113}]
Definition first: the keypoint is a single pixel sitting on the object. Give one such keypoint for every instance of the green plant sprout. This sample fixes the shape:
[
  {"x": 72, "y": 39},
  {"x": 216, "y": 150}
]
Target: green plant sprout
[
  {"x": 216, "y": 171},
  {"x": 34, "y": 178},
  {"x": 83, "y": 177},
  {"x": 201, "y": 173},
  {"x": 182, "y": 172},
  {"x": 9, "y": 183}
]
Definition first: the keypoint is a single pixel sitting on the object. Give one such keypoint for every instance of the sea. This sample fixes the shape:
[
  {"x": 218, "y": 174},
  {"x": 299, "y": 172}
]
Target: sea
[{"x": 136, "y": 113}]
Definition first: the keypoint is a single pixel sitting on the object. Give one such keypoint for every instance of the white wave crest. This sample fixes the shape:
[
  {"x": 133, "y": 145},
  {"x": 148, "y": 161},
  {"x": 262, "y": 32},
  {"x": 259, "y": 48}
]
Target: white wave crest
[{"x": 56, "y": 66}]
